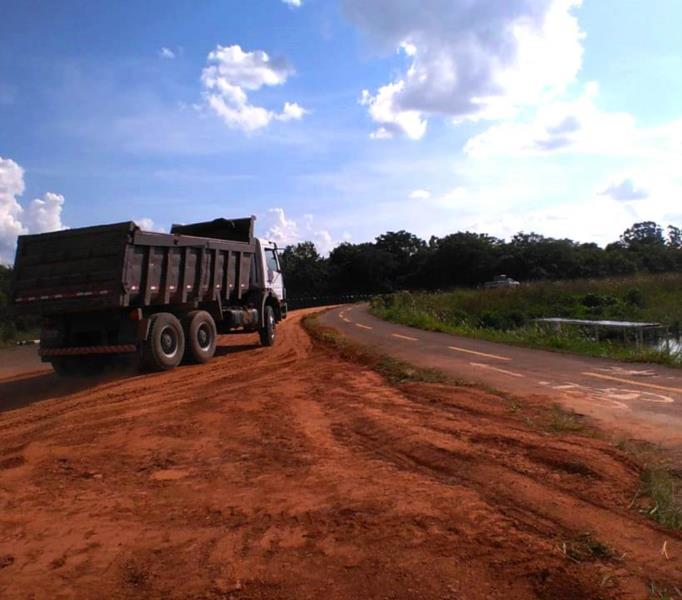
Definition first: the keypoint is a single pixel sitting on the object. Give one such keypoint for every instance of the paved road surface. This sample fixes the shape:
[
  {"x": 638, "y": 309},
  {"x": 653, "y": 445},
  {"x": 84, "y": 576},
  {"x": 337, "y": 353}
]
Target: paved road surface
[{"x": 641, "y": 399}]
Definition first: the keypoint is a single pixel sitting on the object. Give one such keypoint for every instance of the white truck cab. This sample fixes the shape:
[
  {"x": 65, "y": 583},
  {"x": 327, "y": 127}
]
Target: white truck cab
[{"x": 271, "y": 268}]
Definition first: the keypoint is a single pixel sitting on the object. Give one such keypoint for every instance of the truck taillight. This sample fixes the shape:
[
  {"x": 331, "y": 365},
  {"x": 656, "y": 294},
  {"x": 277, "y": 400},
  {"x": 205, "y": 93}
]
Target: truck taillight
[{"x": 135, "y": 314}]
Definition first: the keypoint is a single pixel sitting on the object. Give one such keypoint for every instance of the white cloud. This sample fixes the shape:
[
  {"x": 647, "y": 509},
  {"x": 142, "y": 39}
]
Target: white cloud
[
  {"x": 577, "y": 126},
  {"x": 285, "y": 231},
  {"x": 420, "y": 195},
  {"x": 293, "y": 3},
  {"x": 230, "y": 73},
  {"x": 44, "y": 214},
  {"x": 11, "y": 186},
  {"x": 147, "y": 224},
  {"x": 166, "y": 53},
  {"x": 625, "y": 190},
  {"x": 291, "y": 112},
  {"x": 39, "y": 216},
  {"x": 468, "y": 60}
]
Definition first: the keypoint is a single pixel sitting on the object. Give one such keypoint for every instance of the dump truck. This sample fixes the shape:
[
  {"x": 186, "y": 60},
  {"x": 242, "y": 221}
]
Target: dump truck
[{"x": 113, "y": 290}]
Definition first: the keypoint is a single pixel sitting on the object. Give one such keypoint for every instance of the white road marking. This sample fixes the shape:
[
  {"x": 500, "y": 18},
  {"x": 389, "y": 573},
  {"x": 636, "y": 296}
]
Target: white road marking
[
  {"x": 600, "y": 395},
  {"x": 363, "y": 326},
  {"x": 630, "y": 395},
  {"x": 495, "y": 356},
  {"x": 404, "y": 337},
  {"x": 627, "y": 372},
  {"x": 504, "y": 371},
  {"x": 630, "y": 382},
  {"x": 346, "y": 319}
]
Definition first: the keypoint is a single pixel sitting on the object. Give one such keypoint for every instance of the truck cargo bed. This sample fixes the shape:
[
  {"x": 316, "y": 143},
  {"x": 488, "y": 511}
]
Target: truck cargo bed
[{"x": 119, "y": 265}]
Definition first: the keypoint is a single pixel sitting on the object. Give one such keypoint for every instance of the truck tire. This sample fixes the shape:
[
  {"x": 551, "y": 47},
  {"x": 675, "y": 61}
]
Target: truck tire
[
  {"x": 165, "y": 346},
  {"x": 65, "y": 366},
  {"x": 200, "y": 336},
  {"x": 267, "y": 329}
]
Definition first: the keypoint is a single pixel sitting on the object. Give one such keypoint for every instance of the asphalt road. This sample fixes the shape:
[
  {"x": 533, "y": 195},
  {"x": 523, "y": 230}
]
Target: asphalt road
[{"x": 641, "y": 400}]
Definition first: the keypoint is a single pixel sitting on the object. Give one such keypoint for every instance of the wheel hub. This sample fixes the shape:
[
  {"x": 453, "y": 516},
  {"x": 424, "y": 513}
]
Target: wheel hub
[
  {"x": 204, "y": 337},
  {"x": 169, "y": 342}
]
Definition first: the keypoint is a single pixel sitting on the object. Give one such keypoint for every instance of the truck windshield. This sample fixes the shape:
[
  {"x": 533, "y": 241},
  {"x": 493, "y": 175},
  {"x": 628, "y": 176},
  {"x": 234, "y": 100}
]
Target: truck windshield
[{"x": 271, "y": 259}]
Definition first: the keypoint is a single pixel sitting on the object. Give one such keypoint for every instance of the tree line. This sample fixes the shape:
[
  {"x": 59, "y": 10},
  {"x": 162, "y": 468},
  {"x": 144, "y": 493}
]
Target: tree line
[{"x": 399, "y": 260}]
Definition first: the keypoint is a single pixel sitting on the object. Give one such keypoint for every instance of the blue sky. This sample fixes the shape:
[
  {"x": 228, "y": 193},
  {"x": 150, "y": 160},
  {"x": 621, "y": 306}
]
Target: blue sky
[{"x": 538, "y": 115}]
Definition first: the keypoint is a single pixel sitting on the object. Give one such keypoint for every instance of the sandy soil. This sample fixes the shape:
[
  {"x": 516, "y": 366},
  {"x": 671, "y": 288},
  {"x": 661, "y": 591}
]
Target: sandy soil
[{"x": 287, "y": 473}]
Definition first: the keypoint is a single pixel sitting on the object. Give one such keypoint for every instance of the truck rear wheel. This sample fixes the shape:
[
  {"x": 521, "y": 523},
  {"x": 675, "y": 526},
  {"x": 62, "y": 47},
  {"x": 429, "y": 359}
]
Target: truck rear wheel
[
  {"x": 65, "y": 366},
  {"x": 200, "y": 336},
  {"x": 165, "y": 346},
  {"x": 267, "y": 329}
]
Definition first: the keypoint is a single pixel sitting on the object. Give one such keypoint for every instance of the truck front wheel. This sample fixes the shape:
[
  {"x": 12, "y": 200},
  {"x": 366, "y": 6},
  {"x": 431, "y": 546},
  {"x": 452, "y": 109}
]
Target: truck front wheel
[
  {"x": 165, "y": 346},
  {"x": 200, "y": 336},
  {"x": 267, "y": 329}
]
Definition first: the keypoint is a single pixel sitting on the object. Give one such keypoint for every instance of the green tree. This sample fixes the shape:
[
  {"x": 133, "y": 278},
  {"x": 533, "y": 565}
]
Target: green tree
[
  {"x": 646, "y": 233},
  {"x": 305, "y": 271},
  {"x": 674, "y": 237}
]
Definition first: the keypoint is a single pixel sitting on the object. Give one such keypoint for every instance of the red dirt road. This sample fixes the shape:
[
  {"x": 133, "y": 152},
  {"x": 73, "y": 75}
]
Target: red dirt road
[{"x": 288, "y": 473}]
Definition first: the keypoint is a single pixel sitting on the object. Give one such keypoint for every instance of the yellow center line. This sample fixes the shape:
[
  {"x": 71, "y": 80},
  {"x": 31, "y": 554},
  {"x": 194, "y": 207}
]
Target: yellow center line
[
  {"x": 504, "y": 371},
  {"x": 363, "y": 326},
  {"x": 404, "y": 337},
  {"x": 653, "y": 386},
  {"x": 495, "y": 356}
]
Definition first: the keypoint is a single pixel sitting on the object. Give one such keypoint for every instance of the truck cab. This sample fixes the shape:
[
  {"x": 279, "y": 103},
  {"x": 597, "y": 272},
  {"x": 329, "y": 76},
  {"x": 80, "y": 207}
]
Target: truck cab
[{"x": 271, "y": 268}]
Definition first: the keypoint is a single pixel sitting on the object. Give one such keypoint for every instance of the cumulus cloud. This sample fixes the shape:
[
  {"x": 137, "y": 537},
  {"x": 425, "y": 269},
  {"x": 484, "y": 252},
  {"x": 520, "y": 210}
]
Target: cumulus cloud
[
  {"x": 420, "y": 195},
  {"x": 293, "y": 3},
  {"x": 11, "y": 186},
  {"x": 166, "y": 53},
  {"x": 147, "y": 224},
  {"x": 468, "y": 60},
  {"x": 44, "y": 214},
  {"x": 625, "y": 190},
  {"x": 40, "y": 215},
  {"x": 577, "y": 126},
  {"x": 232, "y": 72},
  {"x": 285, "y": 231}
]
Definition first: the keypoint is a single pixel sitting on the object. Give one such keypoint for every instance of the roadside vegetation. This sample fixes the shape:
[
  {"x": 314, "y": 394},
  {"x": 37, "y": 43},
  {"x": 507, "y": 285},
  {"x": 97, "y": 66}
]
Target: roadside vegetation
[{"x": 508, "y": 315}]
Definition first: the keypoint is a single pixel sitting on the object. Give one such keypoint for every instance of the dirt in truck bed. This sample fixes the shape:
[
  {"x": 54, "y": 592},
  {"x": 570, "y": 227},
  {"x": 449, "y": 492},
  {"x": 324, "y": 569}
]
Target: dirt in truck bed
[{"x": 288, "y": 473}]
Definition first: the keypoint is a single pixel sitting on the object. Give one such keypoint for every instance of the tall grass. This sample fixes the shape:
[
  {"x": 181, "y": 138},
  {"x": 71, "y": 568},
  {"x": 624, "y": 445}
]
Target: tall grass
[{"x": 507, "y": 315}]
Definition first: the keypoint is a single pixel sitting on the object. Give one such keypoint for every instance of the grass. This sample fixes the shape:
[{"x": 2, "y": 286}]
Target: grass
[
  {"x": 665, "y": 491},
  {"x": 586, "y": 548},
  {"x": 563, "y": 421},
  {"x": 507, "y": 315}
]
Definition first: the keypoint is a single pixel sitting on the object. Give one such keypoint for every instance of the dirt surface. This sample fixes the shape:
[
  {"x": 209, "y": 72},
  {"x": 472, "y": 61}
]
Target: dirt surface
[
  {"x": 19, "y": 360},
  {"x": 288, "y": 473},
  {"x": 632, "y": 400}
]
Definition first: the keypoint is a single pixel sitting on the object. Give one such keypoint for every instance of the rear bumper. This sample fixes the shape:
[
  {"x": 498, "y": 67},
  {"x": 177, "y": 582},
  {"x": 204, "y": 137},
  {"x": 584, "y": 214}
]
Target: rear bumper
[{"x": 87, "y": 350}]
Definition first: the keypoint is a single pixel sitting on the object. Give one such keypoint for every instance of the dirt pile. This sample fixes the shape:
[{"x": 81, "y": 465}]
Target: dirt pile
[{"x": 288, "y": 473}]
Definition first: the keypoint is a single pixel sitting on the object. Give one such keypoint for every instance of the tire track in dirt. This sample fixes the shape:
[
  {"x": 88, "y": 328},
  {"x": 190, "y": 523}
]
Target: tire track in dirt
[{"x": 288, "y": 473}]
